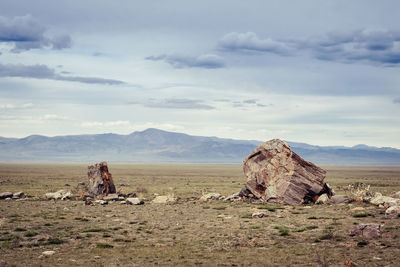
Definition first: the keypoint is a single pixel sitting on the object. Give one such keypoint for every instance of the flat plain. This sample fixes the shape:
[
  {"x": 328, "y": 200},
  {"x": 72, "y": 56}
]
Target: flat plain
[{"x": 188, "y": 233}]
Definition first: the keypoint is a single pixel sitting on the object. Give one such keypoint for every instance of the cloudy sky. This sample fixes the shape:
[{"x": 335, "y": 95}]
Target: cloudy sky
[{"x": 321, "y": 72}]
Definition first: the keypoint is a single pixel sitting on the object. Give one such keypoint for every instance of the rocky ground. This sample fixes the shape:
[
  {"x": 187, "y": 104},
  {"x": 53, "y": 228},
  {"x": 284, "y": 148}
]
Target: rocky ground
[{"x": 189, "y": 231}]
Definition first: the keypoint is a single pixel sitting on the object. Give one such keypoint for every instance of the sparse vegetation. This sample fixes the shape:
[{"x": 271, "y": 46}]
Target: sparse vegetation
[{"x": 189, "y": 232}]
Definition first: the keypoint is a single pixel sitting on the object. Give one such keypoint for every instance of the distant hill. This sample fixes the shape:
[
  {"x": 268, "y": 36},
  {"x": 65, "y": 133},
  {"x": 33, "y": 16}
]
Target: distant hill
[{"x": 153, "y": 145}]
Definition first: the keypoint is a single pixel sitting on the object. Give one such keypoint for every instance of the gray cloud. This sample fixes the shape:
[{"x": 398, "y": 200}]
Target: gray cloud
[
  {"x": 27, "y": 33},
  {"x": 44, "y": 72},
  {"x": 374, "y": 46},
  {"x": 250, "y": 42},
  {"x": 207, "y": 61},
  {"x": 396, "y": 100},
  {"x": 174, "y": 103}
]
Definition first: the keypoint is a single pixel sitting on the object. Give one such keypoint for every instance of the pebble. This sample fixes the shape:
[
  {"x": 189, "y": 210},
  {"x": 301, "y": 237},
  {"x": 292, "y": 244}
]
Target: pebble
[{"x": 48, "y": 252}]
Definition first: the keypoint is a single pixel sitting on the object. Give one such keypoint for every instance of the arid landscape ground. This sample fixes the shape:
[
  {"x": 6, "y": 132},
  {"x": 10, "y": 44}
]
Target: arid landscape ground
[{"x": 213, "y": 233}]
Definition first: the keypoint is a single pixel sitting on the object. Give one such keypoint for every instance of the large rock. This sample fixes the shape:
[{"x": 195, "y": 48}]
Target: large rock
[
  {"x": 277, "y": 174},
  {"x": 100, "y": 180}
]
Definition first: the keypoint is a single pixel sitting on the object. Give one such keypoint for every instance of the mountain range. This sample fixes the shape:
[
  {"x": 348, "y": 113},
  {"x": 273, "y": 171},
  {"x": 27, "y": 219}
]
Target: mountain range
[{"x": 158, "y": 146}]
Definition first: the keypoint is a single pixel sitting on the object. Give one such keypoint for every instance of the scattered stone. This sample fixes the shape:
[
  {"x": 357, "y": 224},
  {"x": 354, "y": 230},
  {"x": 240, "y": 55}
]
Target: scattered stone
[
  {"x": 357, "y": 209},
  {"x": 100, "y": 180},
  {"x": 163, "y": 199},
  {"x": 67, "y": 185},
  {"x": 323, "y": 199},
  {"x": 97, "y": 257},
  {"x": 339, "y": 199},
  {"x": 367, "y": 230},
  {"x": 133, "y": 201},
  {"x": 277, "y": 174},
  {"x": 18, "y": 195},
  {"x": 101, "y": 202},
  {"x": 393, "y": 211},
  {"x": 111, "y": 197},
  {"x": 396, "y": 195},
  {"x": 48, "y": 253},
  {"x": 122, "y": 202},
  {"x": 3, "y": 263},
  {"x": 232, "y": 197},
  {"x": 379, "y": 199},
  {"x": 81, "y": 183},
  {"x": 60, "y": 194},
  {"x": 5, "y": 195},
  {"x": 210, "y": 196},
  {"x": 121, "y": 198},
  {"x": 391, "y": 203},
  {"x": 259, "y": 215}
]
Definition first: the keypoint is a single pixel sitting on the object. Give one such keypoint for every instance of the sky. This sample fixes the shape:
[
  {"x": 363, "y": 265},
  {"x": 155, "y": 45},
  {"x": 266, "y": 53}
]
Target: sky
[{"x": 319, "y": 72}]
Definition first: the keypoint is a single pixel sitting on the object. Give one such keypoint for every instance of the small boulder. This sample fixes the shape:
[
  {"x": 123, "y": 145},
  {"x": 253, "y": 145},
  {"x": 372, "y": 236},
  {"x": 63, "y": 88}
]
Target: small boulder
[
  {"x": 101, "y": 202},
  {"x": 5, "y": 195},
  {"x": 379, "y": 199},
  {"x": 48, "y": 253},
  {"x": 357, "y": 209},
  {"x": 111, "y": 197},
  {"x": 60, "y": 194},
  {"x": 18, "y": 195},
  {"x": 396, "y": 195},
  {"x": 211, "y": 196},
  {"x": 163, "y": 200},
  {"x": 3, "y": 263},
  {"x": 259, "y": 215},
  {"x": 367, "y": 230},
  {"x": 338, "y": 199},
  {"x": 393, "y": 211},
  {"x": 133, "y": 201},
  {"x": 323, "y": 199}
]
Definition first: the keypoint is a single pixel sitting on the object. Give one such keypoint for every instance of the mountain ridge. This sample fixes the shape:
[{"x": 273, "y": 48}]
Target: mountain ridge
[{"x": 156, "y": 146}]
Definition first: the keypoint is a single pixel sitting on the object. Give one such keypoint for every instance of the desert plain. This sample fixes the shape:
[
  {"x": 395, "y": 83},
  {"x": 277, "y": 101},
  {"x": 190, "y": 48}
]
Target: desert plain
[{"x": 189, "y": 232}]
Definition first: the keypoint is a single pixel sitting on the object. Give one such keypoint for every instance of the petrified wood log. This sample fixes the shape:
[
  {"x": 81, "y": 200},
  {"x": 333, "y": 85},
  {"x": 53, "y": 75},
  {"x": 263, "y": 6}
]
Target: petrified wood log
[
  {"x": 100, "y": 180},
  {"x": 277, "y": 174}
]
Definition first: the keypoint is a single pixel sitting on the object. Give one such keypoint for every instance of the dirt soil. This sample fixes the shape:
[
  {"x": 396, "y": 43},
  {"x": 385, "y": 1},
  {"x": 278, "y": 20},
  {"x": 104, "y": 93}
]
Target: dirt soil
[{"x": 188, "y": 233}]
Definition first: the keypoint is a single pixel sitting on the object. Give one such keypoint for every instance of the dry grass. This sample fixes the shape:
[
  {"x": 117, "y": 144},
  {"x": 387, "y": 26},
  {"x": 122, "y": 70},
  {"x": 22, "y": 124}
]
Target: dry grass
[{"x": 187, "y": 233}]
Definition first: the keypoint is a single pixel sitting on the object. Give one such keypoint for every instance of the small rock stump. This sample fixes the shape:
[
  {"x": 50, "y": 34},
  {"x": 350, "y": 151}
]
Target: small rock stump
[{"x": 100, "y": 180}]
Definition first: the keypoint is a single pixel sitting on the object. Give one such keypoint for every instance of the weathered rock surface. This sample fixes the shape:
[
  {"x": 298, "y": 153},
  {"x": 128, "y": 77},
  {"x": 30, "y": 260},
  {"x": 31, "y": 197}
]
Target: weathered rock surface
[
  {"x": 60, "y": 194},
  {"x": 163, "y": 200},
  {"x": 5, "y": 195},
  {"x": 277, "y": 174},
  {"x": 100, "y": 180},
  {"x": 133, "y": 201},
  {"x": 396, "y": 195},
  {"x": 323, "y": 199},
  {"x": 211, "y": 196},
  {"x": 379, "y": 199},
  {"x": 367, "y": 230},
  {"x": 393, "y": 211}
]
